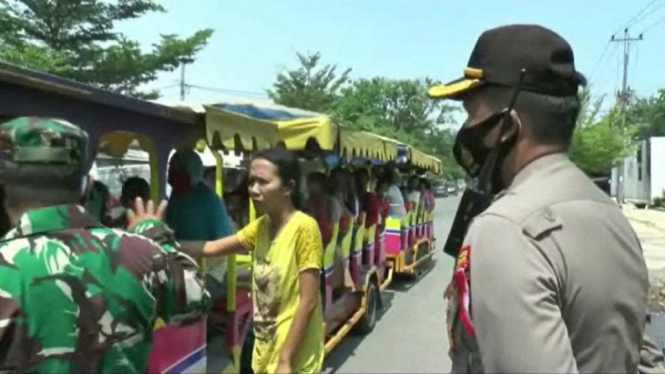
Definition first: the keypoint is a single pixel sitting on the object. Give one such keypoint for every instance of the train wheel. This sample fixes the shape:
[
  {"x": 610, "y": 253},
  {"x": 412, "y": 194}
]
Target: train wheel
[{"x": 367, "y": 323}]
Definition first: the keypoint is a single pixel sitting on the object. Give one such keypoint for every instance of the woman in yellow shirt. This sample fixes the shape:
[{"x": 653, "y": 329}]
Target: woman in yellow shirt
[{"x": 287, "y": 253}]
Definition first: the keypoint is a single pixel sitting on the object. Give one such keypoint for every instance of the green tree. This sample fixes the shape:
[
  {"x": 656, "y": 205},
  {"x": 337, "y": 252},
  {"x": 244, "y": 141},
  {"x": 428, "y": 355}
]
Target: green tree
[
  {"x": 77, "y": 39},
  {"x": 648, "y": 115},
  {"x": 309, "y": 86},
  {"x": 599, "y": 144},
  {"x": 400, "y": 109}
]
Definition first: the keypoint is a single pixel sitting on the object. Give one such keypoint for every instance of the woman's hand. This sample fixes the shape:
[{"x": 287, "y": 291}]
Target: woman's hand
[
  {"x": 284, "y": 367},
  {"x": 144, "y": 212}
]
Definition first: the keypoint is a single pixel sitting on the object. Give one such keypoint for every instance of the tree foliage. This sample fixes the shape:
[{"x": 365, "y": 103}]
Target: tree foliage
[
  {"x": 599, "y": 144},
  {"x": 402, "y": 110},
  {"x": 77, "y": 39},
  {"x": 648, "y": 115},
  {"x": 309, "y": 86}
]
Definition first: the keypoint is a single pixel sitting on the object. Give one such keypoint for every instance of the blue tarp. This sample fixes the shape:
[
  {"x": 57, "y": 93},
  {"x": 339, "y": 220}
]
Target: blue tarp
[{"x": 265, "y": 114}]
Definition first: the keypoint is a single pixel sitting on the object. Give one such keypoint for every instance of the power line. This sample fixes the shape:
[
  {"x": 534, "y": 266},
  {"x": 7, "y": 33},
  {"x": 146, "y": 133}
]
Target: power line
[
  {"x": 639, "y": 16},
  {"x": 601, "y": 64},
  {"x": 626, "y": 40},
  {"x": 226, "y": 90},
  {"x": 661, "y": 20}
]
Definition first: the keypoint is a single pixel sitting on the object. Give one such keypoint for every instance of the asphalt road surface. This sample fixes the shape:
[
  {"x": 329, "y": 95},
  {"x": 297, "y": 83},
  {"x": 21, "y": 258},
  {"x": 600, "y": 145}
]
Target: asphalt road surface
[{"x": 410, "y": 335}]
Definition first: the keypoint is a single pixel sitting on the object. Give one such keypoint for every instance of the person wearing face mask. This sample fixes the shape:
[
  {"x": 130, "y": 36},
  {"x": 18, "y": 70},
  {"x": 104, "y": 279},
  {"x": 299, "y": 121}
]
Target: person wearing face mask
[
  {"x": 78, "y": 297},
  {"x": 195, "y": 212},
  {"x": 550, "y": 276}
]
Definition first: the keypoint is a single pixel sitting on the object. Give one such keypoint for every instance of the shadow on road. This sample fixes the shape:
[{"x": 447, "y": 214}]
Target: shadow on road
[
  {"x": 403, "y": 283},
  {"x": 348, "y": 346}
]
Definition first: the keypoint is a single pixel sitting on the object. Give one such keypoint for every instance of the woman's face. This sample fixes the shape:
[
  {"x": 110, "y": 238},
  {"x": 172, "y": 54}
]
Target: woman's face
[{"x": 265, "y": 186}]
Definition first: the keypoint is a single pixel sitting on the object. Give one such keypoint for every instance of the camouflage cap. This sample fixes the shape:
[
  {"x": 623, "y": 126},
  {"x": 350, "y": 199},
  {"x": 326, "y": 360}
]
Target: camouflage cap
[{"x": 47, "y": 141}]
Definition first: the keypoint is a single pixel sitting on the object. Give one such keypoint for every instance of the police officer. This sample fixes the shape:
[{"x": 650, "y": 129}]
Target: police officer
[
  {"x": 551, "y": 277},
  {"x": 76, "y": 297}
]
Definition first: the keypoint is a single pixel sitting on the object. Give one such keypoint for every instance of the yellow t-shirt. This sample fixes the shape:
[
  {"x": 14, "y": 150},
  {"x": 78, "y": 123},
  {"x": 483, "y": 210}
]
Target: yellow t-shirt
[{"x": 276, "y": 290}]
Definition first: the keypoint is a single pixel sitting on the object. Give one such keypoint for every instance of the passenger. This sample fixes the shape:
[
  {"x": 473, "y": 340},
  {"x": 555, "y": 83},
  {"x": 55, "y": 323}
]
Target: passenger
[
  {"x": 287, "y": 255},
  {"x": 133, "y": 188},
  {"x": 370, "y": 202},
  {"x": 195, "y": 212},
  {"x": 382, "y": 187},
  {"x": 78, "y": 297},
  {"x": 238, "y": 204},
  {"x": 344, "y": 203},
  {"x": 98, "y": 197},
  {"x": 412, "y": 192},
  {"x": 345, "y": 209},
  {"x": 318, "y": 205},
  {"x": 427, "y": 197},
  {"x": 394, "y": 195}
]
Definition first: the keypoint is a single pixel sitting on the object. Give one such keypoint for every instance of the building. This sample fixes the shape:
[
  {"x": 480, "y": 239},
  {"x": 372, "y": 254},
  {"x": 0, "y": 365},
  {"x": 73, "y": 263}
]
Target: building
[{"x": 644, "y": 173}]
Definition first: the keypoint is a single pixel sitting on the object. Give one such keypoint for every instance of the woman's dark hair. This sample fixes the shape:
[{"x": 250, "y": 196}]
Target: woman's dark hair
[
  {"x": 132, "y": 188},
  {"x": 425, "y": 183},
  {"x": 288, "y": 169}
]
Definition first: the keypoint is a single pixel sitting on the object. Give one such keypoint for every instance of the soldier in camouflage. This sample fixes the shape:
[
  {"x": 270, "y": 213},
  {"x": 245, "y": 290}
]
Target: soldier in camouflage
[{"x": 75, "y": 296}]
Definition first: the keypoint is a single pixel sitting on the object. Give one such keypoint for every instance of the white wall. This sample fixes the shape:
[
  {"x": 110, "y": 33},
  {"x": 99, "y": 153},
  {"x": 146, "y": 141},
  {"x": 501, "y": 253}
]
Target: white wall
[{"x": 657, "y": 166}]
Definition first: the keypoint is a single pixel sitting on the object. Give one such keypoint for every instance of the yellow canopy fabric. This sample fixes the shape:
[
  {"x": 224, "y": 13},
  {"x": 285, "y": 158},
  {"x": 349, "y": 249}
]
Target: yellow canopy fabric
[
  {"x": 232, "y": 130},
  {"x": 391, "y": 146},
  {"x": 296, "y": 133},
  {"x": 362, "y": 144}
]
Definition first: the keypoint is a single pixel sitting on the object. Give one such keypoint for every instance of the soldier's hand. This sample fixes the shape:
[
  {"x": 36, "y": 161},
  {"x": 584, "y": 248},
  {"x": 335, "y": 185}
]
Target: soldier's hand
[{"x": 144, "y": 211}]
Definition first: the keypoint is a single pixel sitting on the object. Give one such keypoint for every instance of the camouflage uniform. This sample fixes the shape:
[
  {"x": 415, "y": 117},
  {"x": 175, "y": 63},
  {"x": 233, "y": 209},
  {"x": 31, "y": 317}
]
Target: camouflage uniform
[{"x": 76, "y": 296}]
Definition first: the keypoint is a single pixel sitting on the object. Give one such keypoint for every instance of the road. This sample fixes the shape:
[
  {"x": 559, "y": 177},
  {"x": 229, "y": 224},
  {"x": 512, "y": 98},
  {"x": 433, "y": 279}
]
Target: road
[{"x": 410, "y": 336}]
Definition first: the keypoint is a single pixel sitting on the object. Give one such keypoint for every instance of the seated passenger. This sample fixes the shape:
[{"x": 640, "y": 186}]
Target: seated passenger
[
  {"x": 97, "y": 197},
  {"x": 237, "y": 203},
  {"x": 412, "y": 192},
  {"x": 196, "y": 213},
  {"x": 393, "y": 195},
  {"x": 133, "y": 188},
  {"x": 344, "y": 202},
  {"x": 427, "y": 197},
  {"x": 318, "y": 205},
  {"x": 344, "y": 209},
  {"x": 382, "y": 186},
  {"x": 369, "y": 201}
]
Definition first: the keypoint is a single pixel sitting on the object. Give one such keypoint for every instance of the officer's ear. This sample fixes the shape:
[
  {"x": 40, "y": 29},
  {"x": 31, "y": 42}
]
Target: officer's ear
[{"x": 514, "y": 127}]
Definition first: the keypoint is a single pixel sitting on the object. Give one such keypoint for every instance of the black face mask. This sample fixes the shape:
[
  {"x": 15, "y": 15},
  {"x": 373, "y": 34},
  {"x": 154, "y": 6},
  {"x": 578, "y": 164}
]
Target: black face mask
[{"x": 483, "y": 164}]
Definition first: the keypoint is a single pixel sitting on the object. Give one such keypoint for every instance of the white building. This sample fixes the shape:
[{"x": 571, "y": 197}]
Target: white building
[{"x": 644, "y": 173}]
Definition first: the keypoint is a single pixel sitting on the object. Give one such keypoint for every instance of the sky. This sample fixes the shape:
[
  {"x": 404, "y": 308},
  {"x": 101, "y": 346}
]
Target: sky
[{"x": 254, "y": 40}]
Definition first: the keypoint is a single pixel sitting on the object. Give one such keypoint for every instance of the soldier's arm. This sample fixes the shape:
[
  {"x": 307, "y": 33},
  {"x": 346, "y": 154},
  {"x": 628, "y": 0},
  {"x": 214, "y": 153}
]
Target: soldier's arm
[
  {"x": 514, "y": 302},
  {"x": 13, "y": 334},
  {"x": 175, "y": 280}
]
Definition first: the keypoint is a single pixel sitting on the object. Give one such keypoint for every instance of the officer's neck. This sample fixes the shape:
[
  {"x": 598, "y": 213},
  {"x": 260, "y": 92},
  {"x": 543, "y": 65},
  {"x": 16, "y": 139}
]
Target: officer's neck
[{"x": 521, "y": 158}]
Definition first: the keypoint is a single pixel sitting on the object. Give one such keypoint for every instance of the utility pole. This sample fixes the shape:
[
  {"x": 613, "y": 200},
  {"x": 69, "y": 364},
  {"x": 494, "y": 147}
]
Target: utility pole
[
  {"x": 623, "y": 101},
  {"x": 183, "y": 85}
]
